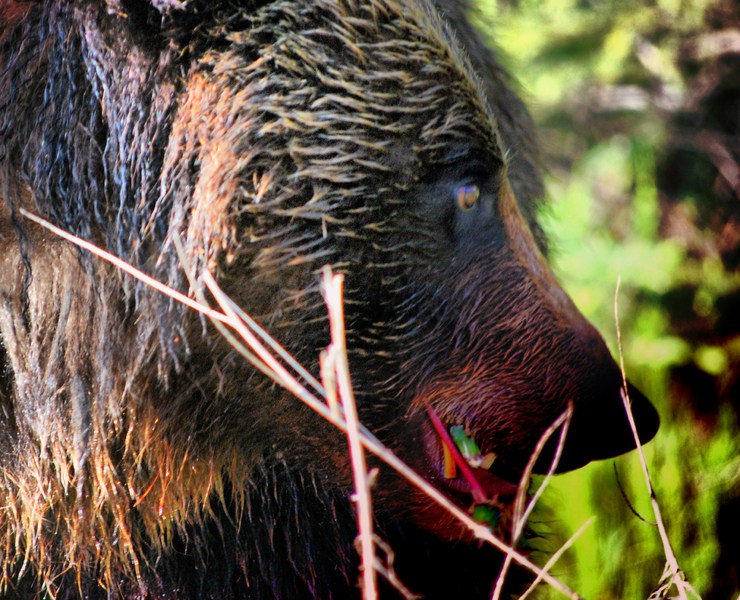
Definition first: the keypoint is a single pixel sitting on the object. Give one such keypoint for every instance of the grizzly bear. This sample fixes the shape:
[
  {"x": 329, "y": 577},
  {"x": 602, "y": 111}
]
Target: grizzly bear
[{"x": 141, "y": 456}]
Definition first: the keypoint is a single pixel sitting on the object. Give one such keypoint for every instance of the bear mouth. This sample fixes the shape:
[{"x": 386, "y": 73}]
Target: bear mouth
[{"x": 461, "y": 469}]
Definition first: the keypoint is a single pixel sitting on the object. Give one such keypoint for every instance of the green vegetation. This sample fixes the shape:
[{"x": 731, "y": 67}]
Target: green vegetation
[{"x": 609, "y": 84}]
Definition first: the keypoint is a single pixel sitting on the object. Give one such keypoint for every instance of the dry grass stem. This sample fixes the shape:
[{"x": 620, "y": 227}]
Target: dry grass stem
[
  {"x": 556, "y": 556},
  {"x": 387, "y": 570},
  {"x": 520, "y": 516},
  {"x": 336, "y": 357},
  {"x": 124, "y": 266},
  {"x": 272, "y": 368},
  {"x": 676, "y": 574}
]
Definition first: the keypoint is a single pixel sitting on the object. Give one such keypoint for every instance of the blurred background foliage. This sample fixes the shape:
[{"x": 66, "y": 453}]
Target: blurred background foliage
[{"x": 638, "y": 107}]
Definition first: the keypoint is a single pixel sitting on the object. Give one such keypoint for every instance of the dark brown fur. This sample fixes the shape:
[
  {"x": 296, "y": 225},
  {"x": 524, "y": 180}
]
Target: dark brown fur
[{"x": 140, "y": 457}]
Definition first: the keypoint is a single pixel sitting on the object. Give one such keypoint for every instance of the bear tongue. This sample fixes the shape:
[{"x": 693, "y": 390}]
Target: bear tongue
[{"x": 493, "y": 486}]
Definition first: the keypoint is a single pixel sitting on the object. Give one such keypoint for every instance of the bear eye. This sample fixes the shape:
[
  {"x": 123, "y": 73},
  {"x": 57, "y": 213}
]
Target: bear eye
[{"x": 467, "y": 196}]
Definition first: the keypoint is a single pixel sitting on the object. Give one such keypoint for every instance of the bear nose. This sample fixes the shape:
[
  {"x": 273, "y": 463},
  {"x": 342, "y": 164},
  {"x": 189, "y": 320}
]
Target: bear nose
[
  {"x": 600, "y": 428},
  {"x": 617, "y": 438}
]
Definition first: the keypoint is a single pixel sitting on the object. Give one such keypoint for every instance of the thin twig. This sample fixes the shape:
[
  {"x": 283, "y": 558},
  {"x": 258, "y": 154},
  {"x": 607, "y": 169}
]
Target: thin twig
[
  {"x": 520, "y": 515},
  {"x": 627, "y": 501},
  {"x": 387, "y": 570},
  {"x": 676, "y": 573},
  {"x": 556, "y": 556},
  {"x": 332, "y": 287},
  {"x": 126, "y": 267}
]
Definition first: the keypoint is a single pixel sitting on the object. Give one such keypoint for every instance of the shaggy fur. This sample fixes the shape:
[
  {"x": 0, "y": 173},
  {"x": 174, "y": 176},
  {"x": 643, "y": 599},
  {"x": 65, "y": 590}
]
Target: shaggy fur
[{"x": 140, "y": 457}]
